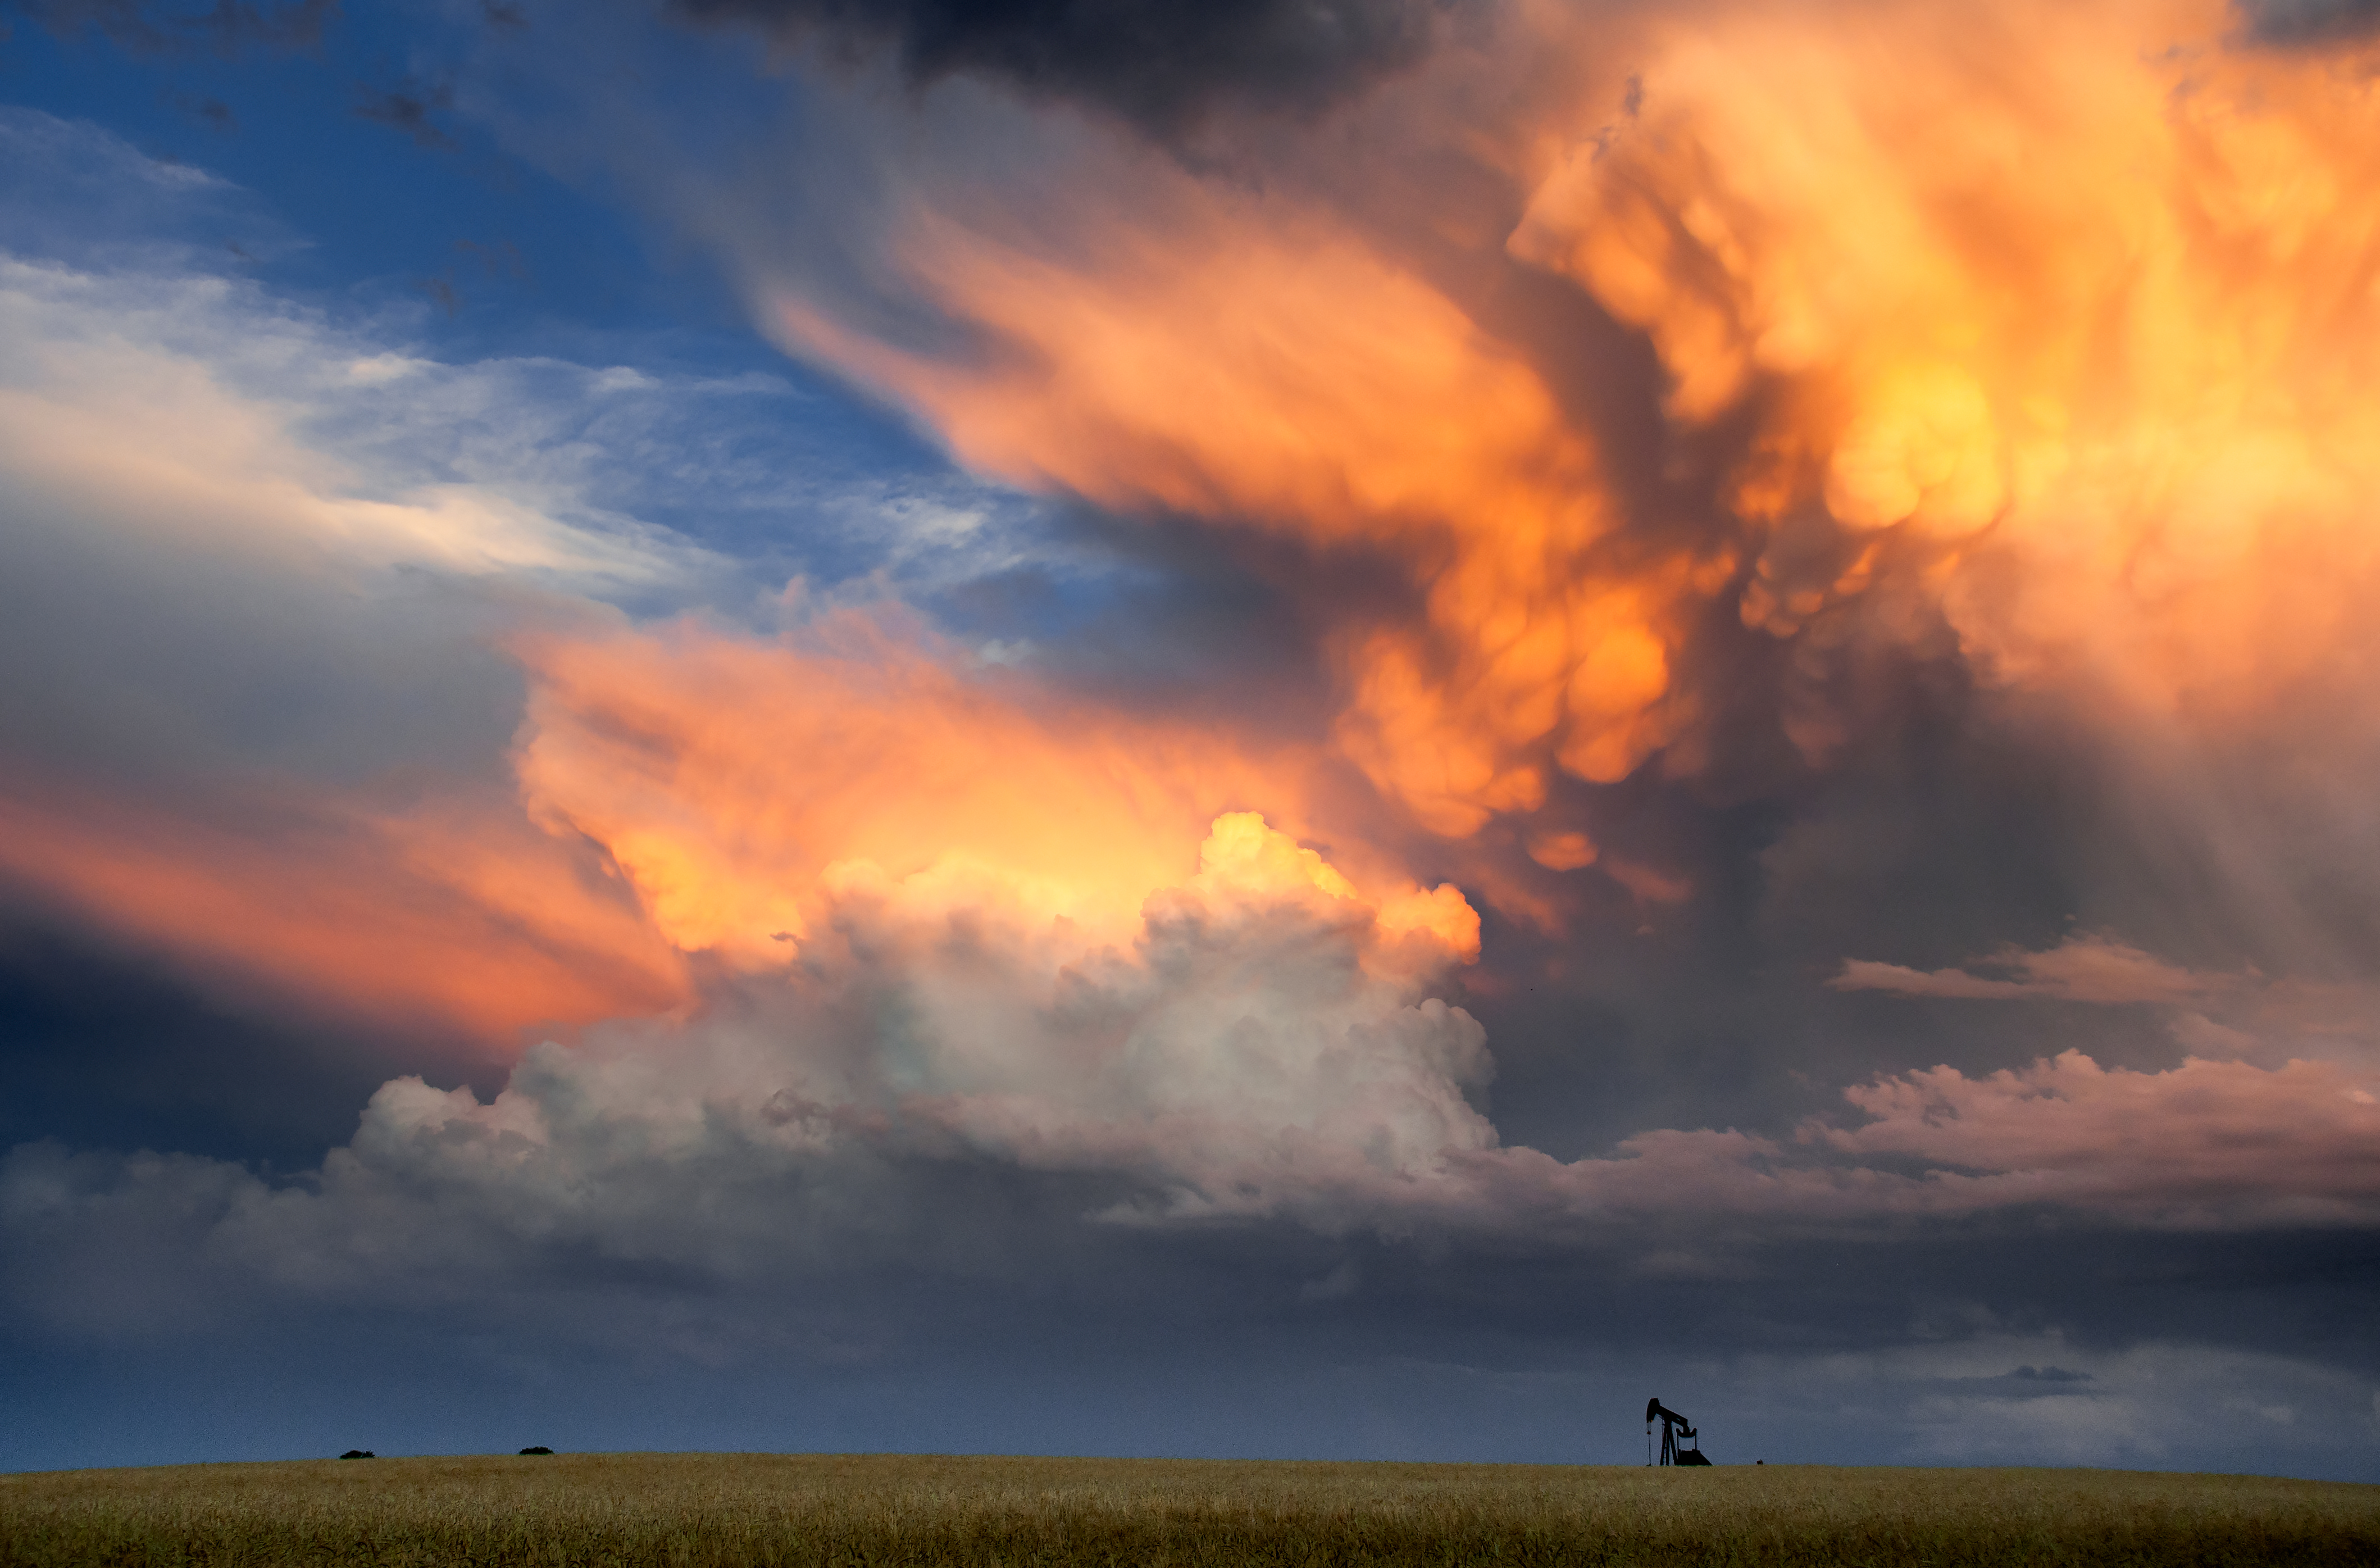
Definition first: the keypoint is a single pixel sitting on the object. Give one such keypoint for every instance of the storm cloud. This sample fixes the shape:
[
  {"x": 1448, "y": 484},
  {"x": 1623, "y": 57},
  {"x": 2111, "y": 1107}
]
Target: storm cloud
[
  {"x": 1602, "y": 694},
  {"x": 1161, "y": 66}
]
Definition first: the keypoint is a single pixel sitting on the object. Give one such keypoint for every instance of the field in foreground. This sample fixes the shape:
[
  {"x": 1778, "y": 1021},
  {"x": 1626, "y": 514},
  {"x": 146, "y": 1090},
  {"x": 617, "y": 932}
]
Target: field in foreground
[{"x": 719, "y": 1509}]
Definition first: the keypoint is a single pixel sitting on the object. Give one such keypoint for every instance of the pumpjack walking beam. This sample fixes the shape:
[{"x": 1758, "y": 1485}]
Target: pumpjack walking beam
[{"x": 1673, "y": 1426}]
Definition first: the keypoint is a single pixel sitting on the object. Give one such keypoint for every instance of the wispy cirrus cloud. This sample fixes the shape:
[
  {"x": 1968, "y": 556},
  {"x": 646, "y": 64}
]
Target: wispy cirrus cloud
[{"x": 263, "y": 560}]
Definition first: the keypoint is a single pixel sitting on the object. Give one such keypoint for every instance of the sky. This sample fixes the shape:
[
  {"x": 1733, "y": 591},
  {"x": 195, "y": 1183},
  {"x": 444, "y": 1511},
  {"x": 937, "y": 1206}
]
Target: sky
[{"x": 1304, "y": 728}]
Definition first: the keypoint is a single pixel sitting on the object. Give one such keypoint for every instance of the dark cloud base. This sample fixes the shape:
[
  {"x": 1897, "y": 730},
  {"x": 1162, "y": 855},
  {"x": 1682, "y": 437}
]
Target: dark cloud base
[
  {"x": 1222, "y": 1345},
  {"x": 105, "y": 1050}
]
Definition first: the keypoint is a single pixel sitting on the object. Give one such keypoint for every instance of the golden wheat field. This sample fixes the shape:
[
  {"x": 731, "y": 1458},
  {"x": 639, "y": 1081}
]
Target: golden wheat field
[{"x": 809, "y": 1509}]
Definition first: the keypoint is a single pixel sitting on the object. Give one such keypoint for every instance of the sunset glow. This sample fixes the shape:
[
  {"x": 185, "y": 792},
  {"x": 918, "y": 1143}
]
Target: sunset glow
[{"x": 1437, "y": 680}]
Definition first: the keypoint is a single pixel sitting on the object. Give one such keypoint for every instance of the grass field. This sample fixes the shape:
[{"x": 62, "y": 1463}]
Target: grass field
[{"x": 718, "y": 1509}]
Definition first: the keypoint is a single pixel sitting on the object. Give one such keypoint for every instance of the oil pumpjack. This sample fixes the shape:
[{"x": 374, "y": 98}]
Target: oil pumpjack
[{"x": 1673, "y": 1428}]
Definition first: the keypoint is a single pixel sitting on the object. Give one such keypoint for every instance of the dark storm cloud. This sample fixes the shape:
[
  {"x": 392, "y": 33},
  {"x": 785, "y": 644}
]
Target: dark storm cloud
[
  {"x": 981, "y": 1303},
  {"x": 1948, "y": 825},
  {"x": 1158, "y": 64},
  {"x": 739, "y": 1224},
  {"x": 2308, "y": 21},
  {"x": 108, "y": 1048},
  {"x": 147, "y": 27}
]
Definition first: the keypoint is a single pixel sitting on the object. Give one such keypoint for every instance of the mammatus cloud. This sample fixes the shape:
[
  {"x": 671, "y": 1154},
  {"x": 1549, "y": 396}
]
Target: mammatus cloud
[
  {"x": 1261, "y": 365},
  {"x": 1162, "y": 66},
  {"x": 809, "y": 804},
  {"x": 2064, "y": 394},
  {"x": 2090, "y": 407},
  {"x": 2108, "y": 448},
  {"x": 1267, "y": 368}
]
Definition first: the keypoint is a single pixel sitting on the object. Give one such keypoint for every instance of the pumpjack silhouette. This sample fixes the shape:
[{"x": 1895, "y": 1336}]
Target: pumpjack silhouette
[{"x": 1674, "y": 1426}]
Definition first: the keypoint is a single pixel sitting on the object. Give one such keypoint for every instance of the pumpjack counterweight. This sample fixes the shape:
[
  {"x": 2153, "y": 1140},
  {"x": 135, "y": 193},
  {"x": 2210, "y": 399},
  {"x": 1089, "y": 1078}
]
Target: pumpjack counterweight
[{"x": 1676, "y": 1434}]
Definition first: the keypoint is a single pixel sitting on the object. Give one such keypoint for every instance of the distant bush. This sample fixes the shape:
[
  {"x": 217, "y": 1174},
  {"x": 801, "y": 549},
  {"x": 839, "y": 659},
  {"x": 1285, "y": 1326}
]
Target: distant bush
[
  {"x": 539, "y": 1449},
  {"x": 708, "y": 1510}
]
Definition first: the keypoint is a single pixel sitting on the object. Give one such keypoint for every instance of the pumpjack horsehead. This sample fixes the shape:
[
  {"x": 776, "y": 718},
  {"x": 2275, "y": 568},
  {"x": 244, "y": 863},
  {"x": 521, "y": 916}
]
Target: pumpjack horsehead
[{"x": 1673, "y": 1428}]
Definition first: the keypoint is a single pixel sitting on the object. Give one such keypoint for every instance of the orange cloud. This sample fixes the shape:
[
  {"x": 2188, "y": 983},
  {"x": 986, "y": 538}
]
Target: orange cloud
[
  {"x": 2053, "y": 324},
  {"x": 738, "y": 784},
  {"x": 1249, "y": 361},
  {"x": 2069, "y": 308},
  {"x": 684, "y": 793},
  {"x": 457, "y": 913}
]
